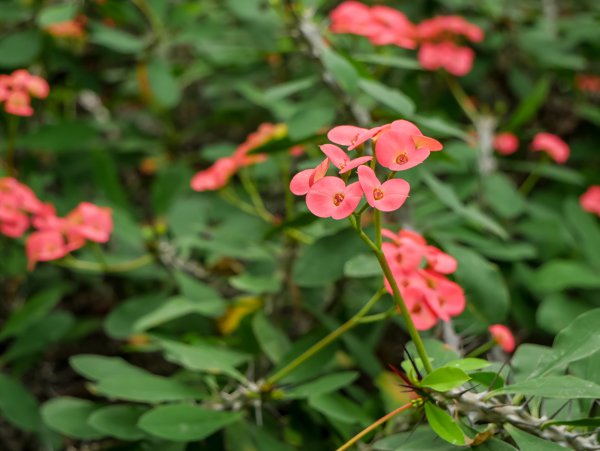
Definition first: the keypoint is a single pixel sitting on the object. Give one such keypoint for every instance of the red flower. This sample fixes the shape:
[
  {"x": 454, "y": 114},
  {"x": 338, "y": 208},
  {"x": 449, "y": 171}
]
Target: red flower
[
  {"x": 590, "y": 200},
  {"x": 45, "y": 246},
  {"x": 503, "y": 336},
  {"x": 506, "y": 143},
  {"x": 455, "y": 59},
  {"x": 552, "y": 145}
]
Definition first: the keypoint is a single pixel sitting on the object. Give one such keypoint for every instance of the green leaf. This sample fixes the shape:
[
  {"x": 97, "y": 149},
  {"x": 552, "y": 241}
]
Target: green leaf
[
  {"x": 362, "y": 265},
  {"x": 203, "y": 357},
  {"x": 256, "y": 284},
  {"x": 530, "y": 104},
  {"x": 441, "y": 126},
  {"x": 586, "y": 229},
  {"x": 323, "y": 385},
  {"x": 115, "y": 39},
  {"x": 97, "y": 367},
  {"x": 446, "y": 194},
  {"x": 147, "y": 387},
  {"x": 468, "y": 364},
  {"x": 69, "y": 417},
  {"x": 323, "y": 261},
  {"x": 530, "y": 442},
  {"x": 445, "y": 378},
  {"x": 565, "y": 387},
  {"x": 18, "y": 405},
  {"x": 184, "y": 422},
  {"x": 420, "y": 439},
  {"x": 339, "y": 408},
  {"x": 163, "y": 85},
  {"x": 593, "y": 422},
  {"x": 502, "y": 196},
  {"x": 206, "y": 298},
  {"x": 172, "y": 308},
  {"x": 119, "y": 323},
  {"x": 392, "y": 98},
  {"x": 341, "y": 69},
  {"x": 171, "y": 182},
  {"x": 443, "y": 424},
  {"x": 61, "y": 137},
  {"x": 487, "y": 294},
  {"x": 557, "y": 311},
  {"x": 56, "y": 14},
  {"x": 273, "y": 341},
  {"x": 308, "y": 120},
  {"x": 399, "y": 62},
  {"x": 118, "y": 421},
  {"x": 20, "y": 48},
  {"x": 558, "y": 275},
  {"x": 34, "y": 310},
  {"x": 575, "y": 342}
]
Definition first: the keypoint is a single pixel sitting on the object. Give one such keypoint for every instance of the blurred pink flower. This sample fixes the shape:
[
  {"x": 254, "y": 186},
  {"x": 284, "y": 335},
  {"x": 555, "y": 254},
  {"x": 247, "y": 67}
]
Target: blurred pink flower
[
  {"x": 552, "y": 145},
  {"x": 590, "y": 200},
  {"x": 456, "y": 60},
  {"x": 44, "y": 246},
  {"x": 506, "y": 143},
  {"x": 503, "y": 336}
]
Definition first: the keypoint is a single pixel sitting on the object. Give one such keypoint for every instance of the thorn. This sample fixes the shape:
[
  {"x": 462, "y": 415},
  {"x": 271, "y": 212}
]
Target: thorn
[
  {"x": 559, "y": 409},
  {"x": 497, "y": 375}
]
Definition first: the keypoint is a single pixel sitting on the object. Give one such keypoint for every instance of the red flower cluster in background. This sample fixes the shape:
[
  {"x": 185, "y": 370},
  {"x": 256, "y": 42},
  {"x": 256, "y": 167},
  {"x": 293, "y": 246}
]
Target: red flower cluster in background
[
  {"x": 218, "y": 175},
  {"x": 588, "y": 83},
  {"x": 506, "y": 143},
  {"x": 427, "y": 292},
  {"x": 54, "y": 236},
  {"x": 74, "y": 28},
  {"x": 553, "y": 145},
  {"x": 17, "y": 89},
  {"x": 399, "y": 145},
  {"x": 437, "y": 37},
  {"x": 590, "y": 200},
  {"x": 503, "y": 336}
]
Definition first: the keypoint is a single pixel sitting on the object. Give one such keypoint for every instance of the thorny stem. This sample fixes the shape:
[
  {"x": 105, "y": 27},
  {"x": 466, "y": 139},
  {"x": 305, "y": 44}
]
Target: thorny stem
[
  {"x": 324, "y": 342},
  {"x": 375, "y": 425},
  {"x": 410, "y": 325},
  {"x": 74, "y": 263}
]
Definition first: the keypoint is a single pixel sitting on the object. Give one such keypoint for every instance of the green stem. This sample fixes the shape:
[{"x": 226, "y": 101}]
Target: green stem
[
  {"x": 387, "y": 272},
  {"x": 324, "y": 342},
  {"x": 533, "y": 177},
  {"x": 255, "y": 197},
  {"x": 74, "y": 263},
  {"x": 377, "y": 224},
  {"x": 462, "y": 98},
  {"x": 375, "y": 425},
  {"x": 482, "y": 349}
]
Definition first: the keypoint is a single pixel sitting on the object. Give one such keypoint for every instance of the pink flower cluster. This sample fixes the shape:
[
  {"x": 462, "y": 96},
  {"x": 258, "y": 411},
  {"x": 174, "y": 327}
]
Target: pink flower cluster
[
  {"x": 17, "y": 89},
  {"x": 218, "y": 175},
  {"x": 503, "y": 337},
  {"x": 398, "y": 146},
  {"x": 507, "y": 143},
  {"x": 590, "y": 200},
  {"x": 427, "y": 292},
  {"x": 437, "y": 37},
  {"x": 54, "y": 236}
]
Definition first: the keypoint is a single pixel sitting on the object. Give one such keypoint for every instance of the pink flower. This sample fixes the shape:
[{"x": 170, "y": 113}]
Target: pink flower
[
  {"x": 440, "y": 261},
  {"x": 303, "y": 180},
  {"x": 330, "y": 197},
  {"x": 350, "y": 17},
  {"x": 421, "y": 142},
  {"x": 216, "y": 176},
  {"x": 391, "y": 27},
  {"x": 38, "y": 87},
  {"x": 341, "y": 160},
  {"x": 351, "y": 136},
  {"x": 18, "y": 104},
  {"x": 590, "y": 200},
  {"x": 90, "y": 222},
  {"x": 447, "y": 27},
  {"x": 421, "y": 313},
  {"x": 445, "y": 297},
  {"x": 503, "y": 336},
  {"x": 396, "y": 151},
  {"x": 552, "y": 145},
  {"x": 44, "y": 246},
  {"x": 386, "y": 196},
  {"x": 455, "y": 59},
  {"x": 506, "y": 143}
]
